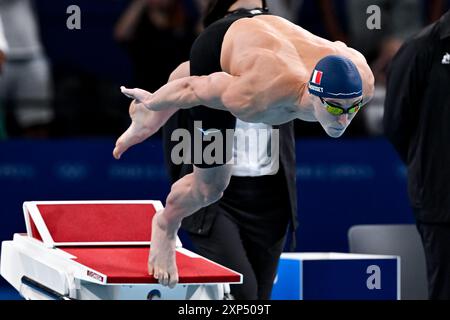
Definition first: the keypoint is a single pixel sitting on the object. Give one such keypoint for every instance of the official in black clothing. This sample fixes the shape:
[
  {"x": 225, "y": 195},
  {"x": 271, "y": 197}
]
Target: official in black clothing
[{"x": 417, "y": 122}]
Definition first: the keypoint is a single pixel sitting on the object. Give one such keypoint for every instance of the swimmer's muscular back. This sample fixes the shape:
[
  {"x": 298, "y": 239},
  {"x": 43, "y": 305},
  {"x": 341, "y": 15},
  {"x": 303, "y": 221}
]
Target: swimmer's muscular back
[{"x": 274, "y": 60}]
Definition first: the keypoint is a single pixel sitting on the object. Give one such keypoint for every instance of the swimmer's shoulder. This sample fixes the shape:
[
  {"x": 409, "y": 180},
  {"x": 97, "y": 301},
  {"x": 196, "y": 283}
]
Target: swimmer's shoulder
[
  {"x": 343, "y": 49},
  {"x": 253, "y": 32},
  {"x": 260, "y": 23},
  {"x": 246, "y": 26}
]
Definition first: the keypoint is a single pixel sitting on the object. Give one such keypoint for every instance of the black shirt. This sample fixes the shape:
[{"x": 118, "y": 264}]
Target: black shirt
[{"x": 417, "y": 118}]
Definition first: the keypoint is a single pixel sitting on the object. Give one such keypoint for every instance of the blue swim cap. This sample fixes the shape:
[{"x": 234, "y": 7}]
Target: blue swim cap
[{"x": 335, "y": 77}]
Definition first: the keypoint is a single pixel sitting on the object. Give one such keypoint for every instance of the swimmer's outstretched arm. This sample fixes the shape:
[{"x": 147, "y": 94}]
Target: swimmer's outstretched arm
[
  {"x": 242, "y": 96},
  {"x": 186, "y": 93},
  {"x": 256, "y": 84}
]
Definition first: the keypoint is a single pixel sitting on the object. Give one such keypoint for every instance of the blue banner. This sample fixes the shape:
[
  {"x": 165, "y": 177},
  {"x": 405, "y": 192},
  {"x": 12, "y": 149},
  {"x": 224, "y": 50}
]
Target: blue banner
[
  {"x": 343, "y": 182},
  {"x": 340, "y": 182}
]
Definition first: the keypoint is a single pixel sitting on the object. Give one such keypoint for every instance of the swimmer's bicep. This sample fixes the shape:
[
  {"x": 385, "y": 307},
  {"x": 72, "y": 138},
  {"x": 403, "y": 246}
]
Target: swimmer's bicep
[
  {"x": 252, "y": 96},
  {"x": 210, "y": 90}
]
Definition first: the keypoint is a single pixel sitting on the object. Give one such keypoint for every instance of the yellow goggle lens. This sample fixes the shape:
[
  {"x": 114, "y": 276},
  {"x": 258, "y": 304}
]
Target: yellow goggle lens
[{"x": 334, "y": 110}]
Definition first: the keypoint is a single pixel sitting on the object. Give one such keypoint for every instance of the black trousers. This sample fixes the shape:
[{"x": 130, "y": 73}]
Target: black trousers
[
  {"x": 248, "y": 233},
  {"x": 436, "y": 243},
  {"x": 256, "y": 259}
]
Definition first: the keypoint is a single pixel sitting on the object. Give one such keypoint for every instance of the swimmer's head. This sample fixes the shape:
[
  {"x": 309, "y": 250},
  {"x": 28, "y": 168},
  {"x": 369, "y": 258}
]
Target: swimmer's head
[{"x": 336, "y": 93}]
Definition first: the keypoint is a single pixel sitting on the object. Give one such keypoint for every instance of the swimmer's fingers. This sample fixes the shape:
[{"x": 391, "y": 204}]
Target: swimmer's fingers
[
  {"x": 129, "y": 138},
  {"x": 137, "y": 94}
]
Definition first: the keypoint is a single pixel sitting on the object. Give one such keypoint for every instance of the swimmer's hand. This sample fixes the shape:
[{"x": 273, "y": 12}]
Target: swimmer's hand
[
  {"x": 144, "y": 122},
  {"x": 139, "y": 95},
  {"x": 162, "y": 258}
]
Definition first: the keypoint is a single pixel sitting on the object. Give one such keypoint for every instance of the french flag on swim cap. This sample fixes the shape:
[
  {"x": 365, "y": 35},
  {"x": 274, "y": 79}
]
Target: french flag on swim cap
[{"x": 317, "y": 77}]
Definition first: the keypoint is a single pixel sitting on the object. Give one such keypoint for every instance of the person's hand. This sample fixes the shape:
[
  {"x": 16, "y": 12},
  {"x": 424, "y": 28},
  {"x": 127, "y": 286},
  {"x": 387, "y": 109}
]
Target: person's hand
[
  {"x": 2, "y": 60},
  {"x": 144, "y": 122},
  {"x": 162, "y": 258},
  {"x": 141, "y": 96}
]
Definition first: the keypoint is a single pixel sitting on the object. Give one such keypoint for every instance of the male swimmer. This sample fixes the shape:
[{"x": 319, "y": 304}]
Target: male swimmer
[{"x": 272, "y": 72}]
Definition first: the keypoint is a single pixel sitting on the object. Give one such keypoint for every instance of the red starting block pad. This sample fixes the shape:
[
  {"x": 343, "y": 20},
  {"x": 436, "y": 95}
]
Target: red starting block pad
[
  {"x": 129, "y": 265},
  {"x": 99, "y": 250}
]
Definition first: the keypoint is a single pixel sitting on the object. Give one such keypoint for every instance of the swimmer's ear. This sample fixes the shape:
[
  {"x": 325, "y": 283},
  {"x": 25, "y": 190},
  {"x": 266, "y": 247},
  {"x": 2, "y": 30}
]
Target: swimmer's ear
[{"x": 137, "y": 94}]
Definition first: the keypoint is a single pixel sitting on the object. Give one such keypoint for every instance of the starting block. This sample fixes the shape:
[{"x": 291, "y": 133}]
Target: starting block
[{"x": 99, "y": 250}]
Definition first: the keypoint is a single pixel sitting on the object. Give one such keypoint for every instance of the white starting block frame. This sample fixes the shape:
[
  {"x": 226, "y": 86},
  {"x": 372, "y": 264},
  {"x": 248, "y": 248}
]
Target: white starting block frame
[{"x": 37, "y": 267}]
